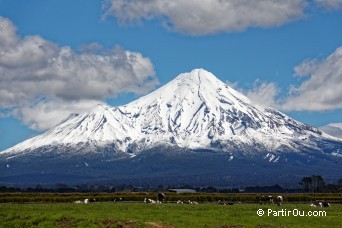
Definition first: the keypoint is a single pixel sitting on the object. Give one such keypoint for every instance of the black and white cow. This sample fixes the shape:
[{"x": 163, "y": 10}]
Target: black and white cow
[
  {"x": 266, "y": 199},
  {"x": 279, "y": 200},
  {"x": 150, "y": 201},
  {"x": 319, "y": 203},
  {"x": 161, "y": 197}
]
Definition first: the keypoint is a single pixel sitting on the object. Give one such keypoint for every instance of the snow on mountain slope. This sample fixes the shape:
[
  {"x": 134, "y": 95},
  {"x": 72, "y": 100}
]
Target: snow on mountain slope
[{"x": 195, "y": 111}]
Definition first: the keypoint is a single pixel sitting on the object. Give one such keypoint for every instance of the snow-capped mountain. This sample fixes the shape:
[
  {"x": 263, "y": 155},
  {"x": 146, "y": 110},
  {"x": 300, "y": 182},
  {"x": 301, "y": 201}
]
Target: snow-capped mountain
[{"x": 194, "y": 112}]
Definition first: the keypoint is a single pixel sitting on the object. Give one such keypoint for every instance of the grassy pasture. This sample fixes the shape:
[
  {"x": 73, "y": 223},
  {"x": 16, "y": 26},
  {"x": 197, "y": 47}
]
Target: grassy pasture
[{"x": 135, "y": 214}]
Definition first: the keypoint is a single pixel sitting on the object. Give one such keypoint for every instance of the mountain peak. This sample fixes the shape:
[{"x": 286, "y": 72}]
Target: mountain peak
[
  {"x": 195, "y": 87},
  {"x": 101, "y": 107},
  {"x": 197, "y": 76},
  {"x": 198, "y": 72}
]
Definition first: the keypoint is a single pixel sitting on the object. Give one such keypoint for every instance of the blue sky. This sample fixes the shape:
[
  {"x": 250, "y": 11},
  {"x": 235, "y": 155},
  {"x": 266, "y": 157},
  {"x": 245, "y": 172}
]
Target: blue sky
[{"x": 283, "y": 55}]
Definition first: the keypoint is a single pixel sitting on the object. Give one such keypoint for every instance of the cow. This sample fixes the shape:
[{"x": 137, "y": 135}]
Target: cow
[
  {"x": 319, "y": 203},
  {"x": 266, "y": 199},
  {"x": 151, "y": 201},
  {"x": 161, "y": 197},
  {"x": 279, "y": 200}
]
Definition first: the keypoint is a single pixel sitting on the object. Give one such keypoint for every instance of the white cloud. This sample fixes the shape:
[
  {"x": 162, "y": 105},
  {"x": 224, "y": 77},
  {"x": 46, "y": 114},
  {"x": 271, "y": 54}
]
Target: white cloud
[
  {"x": 92, "y": 48},
  {"x": 8, "y": 36},
  {"x": 323, "y": 88},
  {"x": 264, "y": 93},
  {"x": 306, "y": 67},
  {"x": 45, "y": 114},
  {"x": 32, "y": 68},
  {"x": 200, "y": 17},
  {"x": 234, "y": 85},
  {"x": 334, "y": 129},
  {"x": 329, "y": 4}
]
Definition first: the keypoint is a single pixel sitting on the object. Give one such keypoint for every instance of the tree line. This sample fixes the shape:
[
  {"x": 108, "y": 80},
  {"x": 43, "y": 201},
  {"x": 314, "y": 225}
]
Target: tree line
[
  {"x": 316, "y": 184},
  {"x": 308, "y": 184}
]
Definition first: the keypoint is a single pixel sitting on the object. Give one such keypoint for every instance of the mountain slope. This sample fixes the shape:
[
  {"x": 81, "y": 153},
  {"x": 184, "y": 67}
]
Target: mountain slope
[{"x": 194, "y": 112}]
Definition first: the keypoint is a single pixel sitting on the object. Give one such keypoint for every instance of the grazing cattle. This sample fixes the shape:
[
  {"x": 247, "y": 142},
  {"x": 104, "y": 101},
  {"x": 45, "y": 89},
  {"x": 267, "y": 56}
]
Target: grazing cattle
[
  {"x": 161, "y": 197},
  {"x": 266, "y": 199},
  {"x": 220, "y": 202},
  {"x": 190, "y": 202},
  {"x": 151, "y": 201},
  {"x": 83, "y": 201},
  {"x": 179, "y": 202},
  {"x": 120, "y": 199},
  {"x": 318, "y": 203},
  {"x": 279, "y": 200}
]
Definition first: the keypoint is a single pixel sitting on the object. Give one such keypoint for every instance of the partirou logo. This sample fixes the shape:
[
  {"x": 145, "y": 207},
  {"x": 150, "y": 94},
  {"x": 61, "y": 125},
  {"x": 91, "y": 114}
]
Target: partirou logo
[
  {"x": 260, "y": 212},
  {"x": 293, "y": 212}
]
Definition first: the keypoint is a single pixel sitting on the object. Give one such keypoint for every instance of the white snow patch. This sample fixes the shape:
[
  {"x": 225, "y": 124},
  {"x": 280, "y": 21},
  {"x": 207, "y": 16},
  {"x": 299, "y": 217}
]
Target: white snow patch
[
  {"x": 337, "y": 154},
  {"x": 270, "y": 157}
]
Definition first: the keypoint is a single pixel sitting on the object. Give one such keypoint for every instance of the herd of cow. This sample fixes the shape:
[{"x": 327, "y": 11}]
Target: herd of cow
[
  {"x": 161, "y": 197},
  {"x": 269, "y": 199},
  {"x": 279, "y": 200}
]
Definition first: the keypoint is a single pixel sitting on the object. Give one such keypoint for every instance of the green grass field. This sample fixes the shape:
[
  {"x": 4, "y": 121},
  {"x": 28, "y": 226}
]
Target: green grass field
[{"x": 161, "y": 215}]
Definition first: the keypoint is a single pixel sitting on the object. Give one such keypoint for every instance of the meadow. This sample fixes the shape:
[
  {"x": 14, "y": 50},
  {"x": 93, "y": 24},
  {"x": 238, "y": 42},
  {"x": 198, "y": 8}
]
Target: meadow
[{"x": 137, "y": 214}]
